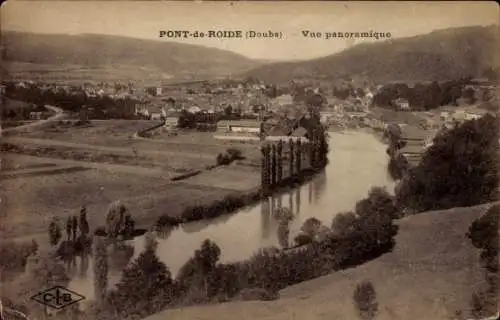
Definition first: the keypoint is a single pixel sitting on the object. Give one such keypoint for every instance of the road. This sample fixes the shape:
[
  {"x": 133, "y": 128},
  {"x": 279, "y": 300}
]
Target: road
[{"x": 59, "y": 114}]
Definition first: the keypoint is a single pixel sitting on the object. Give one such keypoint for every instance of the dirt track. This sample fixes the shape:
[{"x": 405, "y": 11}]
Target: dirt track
[{"x": 59, "y": 114}]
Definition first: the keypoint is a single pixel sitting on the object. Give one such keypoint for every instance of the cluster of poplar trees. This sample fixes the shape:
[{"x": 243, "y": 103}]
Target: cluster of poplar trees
[{"x": 274, "y": 158}]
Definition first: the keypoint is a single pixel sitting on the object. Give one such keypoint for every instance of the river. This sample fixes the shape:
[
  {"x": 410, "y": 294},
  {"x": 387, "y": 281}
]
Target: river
[{"x": 357, "y": 161}]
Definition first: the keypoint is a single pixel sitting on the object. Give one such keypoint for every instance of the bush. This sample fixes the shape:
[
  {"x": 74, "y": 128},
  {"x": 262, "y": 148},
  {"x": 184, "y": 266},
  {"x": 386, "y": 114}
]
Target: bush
[
  {"x": 311, "y": 227},
  {"x": 397, "y": 166},
  {"x": 229, "y": 204},
  {"x": 167, "y": 221},
  {"x": 303, "y": 239},
  {"x": 344, "y": 223},
  {"x": 14, "y": 256},
  {"x": 365, "y": 300},
  {"x": 229, "y": 156},
  {"x": 235, "y": 154},
  {"x": 223, "y": 159}
]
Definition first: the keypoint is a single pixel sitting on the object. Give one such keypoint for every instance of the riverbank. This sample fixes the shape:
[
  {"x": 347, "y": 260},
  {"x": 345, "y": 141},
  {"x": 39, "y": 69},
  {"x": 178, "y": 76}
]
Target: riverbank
[
  {"x": 433, "y": 280},
  {"x": 234, "y": 202}
]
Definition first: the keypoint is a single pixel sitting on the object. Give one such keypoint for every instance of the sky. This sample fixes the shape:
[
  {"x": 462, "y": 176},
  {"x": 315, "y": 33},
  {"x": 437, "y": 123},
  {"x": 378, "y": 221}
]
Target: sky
[{"x": 144, "y": 19}]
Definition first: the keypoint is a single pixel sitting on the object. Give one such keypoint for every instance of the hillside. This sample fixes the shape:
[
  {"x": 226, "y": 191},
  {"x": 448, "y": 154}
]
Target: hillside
[
  {"x": 101, "y": 56},
  {"x": 430, "y": 274},
  {"x": 442, "y": 54}
]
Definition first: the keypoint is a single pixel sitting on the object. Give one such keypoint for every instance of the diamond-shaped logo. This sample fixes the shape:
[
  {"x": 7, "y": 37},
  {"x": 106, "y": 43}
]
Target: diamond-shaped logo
[{"x": 57, "y": 297}]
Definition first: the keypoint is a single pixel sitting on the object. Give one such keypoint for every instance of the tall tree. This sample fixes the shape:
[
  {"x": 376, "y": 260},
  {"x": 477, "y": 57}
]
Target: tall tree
[
  {"x": 55, "y": 233},
  {"x": 146, "y": 284},
  {"x": 291, "y": 165},
  {"x": 69, "y": 227},
  {"x": 273, "y": 165},
  {"x": 460, "y": 169},
  {"x": 298, "y": 156},
  {"x": 279, "y": 152},
  {"x": 74, "y": 223},
  {"x": 84, "y": 224},
  {"x": 101, "y": 268}
]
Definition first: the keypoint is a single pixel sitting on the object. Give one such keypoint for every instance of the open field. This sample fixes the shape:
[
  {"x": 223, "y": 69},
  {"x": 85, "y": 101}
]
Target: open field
[
  {"x": 56, "y": 170},
  {"x": 108, "y": 132},
  {"x": 431, "y": 274},
  {"x": 118, "y": 133},
  {"x": 234, "y": 176},
  {"x": 29, "y": 202},
  {"x": 168, "y": 162},
  {"x": 191, "y": 150},
  {"x": 14, "y": 163}
]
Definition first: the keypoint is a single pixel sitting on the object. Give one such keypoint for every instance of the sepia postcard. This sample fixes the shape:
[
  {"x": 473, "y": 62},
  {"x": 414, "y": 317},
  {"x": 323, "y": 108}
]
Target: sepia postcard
[{"x": 221, "y": 160}]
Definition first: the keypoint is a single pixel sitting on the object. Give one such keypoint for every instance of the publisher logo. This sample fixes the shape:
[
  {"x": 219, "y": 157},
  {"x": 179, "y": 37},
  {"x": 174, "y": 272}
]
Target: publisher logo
[{"x": 57, "y": 297}]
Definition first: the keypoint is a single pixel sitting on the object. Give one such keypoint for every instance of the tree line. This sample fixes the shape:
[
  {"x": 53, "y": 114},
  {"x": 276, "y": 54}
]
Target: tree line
[
  {"x": 460, "y": 169},
  {"x": 422, "y": 97},
  {"x": 147, "y": 286},
  {"x": 102, "y": 107}
]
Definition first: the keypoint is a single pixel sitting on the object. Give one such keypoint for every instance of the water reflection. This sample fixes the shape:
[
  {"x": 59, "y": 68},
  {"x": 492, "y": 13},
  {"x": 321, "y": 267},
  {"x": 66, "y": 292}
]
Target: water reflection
[
  {"x": 283, "y": 234},
  {"x": 297, "y": 201},
  {"x": 266, "y": 218},
  {"x": 318, "y": 186},
  {"x": 358, "y": 163}
]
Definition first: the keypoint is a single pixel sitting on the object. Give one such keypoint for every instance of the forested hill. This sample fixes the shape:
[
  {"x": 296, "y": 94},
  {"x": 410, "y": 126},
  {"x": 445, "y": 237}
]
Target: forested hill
[
  {"x": 97, "y": 52},
  {"x": 443, "y": 54}
]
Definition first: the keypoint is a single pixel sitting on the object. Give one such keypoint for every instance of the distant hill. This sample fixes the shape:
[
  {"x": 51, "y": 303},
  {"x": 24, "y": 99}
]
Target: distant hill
[
  {"x": 439, "y": 55},
  {"x": 90, "y": 55}
]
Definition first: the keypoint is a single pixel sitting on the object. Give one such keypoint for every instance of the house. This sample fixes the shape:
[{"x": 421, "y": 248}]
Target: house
[
  {"x": 326, "y": 115},
  {"x": 402, "y": 104},
  {"x": 459, "y": 115},
  {"x": 412, "y": 154},
  {"x": 239, "y": 126},
  {"x": 35, "y": 115},
  {"x": 283, "y": 100},
  {"x": 156, "y": 113},
  {"x": 159, "y": 91},
  {"x": 413, "y": 135},
  {"x": 172, "y": 119},
  {"x": 194, "y": 109},
  {"x": 474, "y": 113}
]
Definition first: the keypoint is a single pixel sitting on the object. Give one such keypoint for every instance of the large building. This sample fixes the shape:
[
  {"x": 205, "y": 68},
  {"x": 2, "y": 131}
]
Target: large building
[{"x": 239, "y": 126}]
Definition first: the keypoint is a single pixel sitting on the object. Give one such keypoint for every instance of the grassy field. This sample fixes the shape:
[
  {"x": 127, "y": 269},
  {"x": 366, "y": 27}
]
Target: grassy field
[
  {"x": 236, "y": 177},
  {"x": 109, "y": 132},
  {"x": 10, "y": 164},
  {"x": 53, "y": 172},
  {"x": 190, "y": 150},
  {"x": 431, "y": 274},
  {"x": 30, "y": 202}
]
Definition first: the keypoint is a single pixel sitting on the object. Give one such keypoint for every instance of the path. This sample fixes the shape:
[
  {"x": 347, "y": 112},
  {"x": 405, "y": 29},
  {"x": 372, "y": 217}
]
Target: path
[{"x": 59, "y": 114}]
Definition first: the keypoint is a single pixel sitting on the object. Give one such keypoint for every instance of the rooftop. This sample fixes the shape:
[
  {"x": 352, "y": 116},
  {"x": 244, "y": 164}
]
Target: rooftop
[
  {"x": 412, "y": 149},
  {"x": 414, "y": 133}
]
